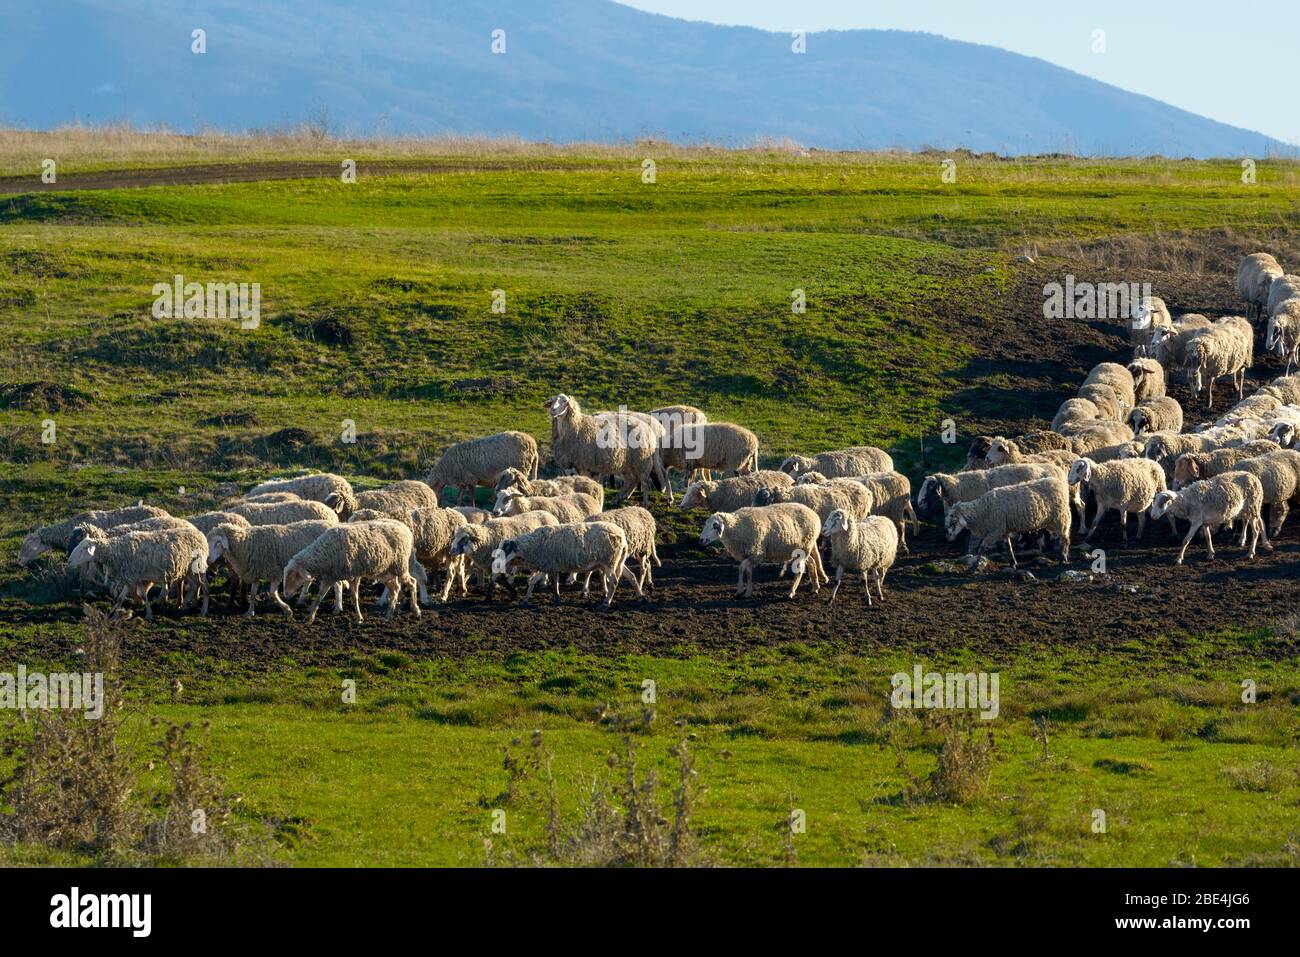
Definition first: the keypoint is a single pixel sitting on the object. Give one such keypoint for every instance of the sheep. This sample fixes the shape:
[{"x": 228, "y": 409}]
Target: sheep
[
  {"x": 1169, "y": 345},
  {"x": 1222, "y": 350},
  {"x": 1037, "y": 506},
  {"x": 1148, "y": 379},
  {"x": 854, "y": 498},
  {"x": 283, "y": 513},
  {"x": 136, "y": 561},
  {"x": 730, "y": 495},
  {"x": 1126, "y": 485},
  {"x": 207, "y": 521},
  {"x": 560, "y": 485},
  {"x": 259, "y": 553},
  {"x": 869, "y": 546},
  {"x": 433, "y": 528},
  {"x": 1029, "y": 443},
  {"x": 1285, "y": 387},
  {"x": 786, "y": 532},
  {"x": 1255, "y": 274},
  {"x": 90, "y": 571},
  {"x": 1004, "y": 451},
  {"x": 1212, "y": 502},
  {"x": 1117, "y": 377},
  {"x": 1076, "y": 410},
  {"x": 474, "y": 462},
  {"x": 638, "y": 526},
  {"x": 267, "y": 497},
  {"x": 968, "y": 486},
  {"x": 1088, "y": 438},
  {"x": 315, "y": 487},
  {"x": 1149, "y": 313},
  {"x": 858, "y": 460},
  {"x": 620, "y": 445},
  {"x": 1279, "y": 476},
  {"x": 1283, "y": 335},
  {"x": 382, "y": 551},
  {"x": 1280, "y": 290},
  {"x": 395, "y": 500},
  {"x": 569, "y": 549},
  {"x": 1165, "y": 447},
  {"x": 891, "y": 496},
  {"x": 709, "y": 446},
  {"x": 1156, "y": 415},
  {"x": 567, "y": 508},
  {"x": 1105, "y": 399},
  {"x": 51, "y": 537},
  {"x": 474, "y": 544},
  {"x": 1257, "y": 406},
  {"x": 1195, "y": 466}
]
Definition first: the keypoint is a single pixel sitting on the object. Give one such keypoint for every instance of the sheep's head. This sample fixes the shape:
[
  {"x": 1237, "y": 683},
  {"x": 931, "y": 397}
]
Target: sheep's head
[
  {"x": 836, "y": 521},
  {"x": 295, "y": 578},
  {"x": 84, "y": 553},
  {"x": 218, "y": 543},
  {"x": 811, "y": 478},
  {"x": 340, "y": 505},
  {"x": 931, "y": 492},
  {"x": 559, "y": 405},
  {"x": 713, "y": 528},
  {"x": 999, "y": 451},
  {"x": 1141, "y": 316},
  {"x": 1187, "y": 468},
  {"x": 764, "y": 496},
  {"x": 1139, "y": 419},
  {"x": 696, "y": 495},
  {"x": 1080, "y": 471},
  {"x": 1161, "y": 503},
  {"x": 466, "y": 538},
  {"x": 957, "y": 520},
  {"x": 979, "y": 448},
  {"x": 509, "y": 502},
  {"x": 80, "y": 534},
  {"x": 511, "y": 478},
  {"x": 796, "y": 464},
  {"x": 1283, "y": 433},
  {"x": 32, "y": 547}
]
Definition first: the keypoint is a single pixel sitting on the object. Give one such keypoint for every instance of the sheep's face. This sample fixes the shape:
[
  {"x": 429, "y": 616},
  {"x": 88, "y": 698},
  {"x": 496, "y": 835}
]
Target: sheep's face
[
  {"x": 796, "y": 464},
  {"x": 1138, "y": 420},
  {"x": 510, "y": 478},
  {"x": 83, "y": 554},
  {"x": 1283, "y": 433},
  {"x": 931, "y": 493},
  {"x": 998, "y": 452},
  {"x": 979, "y": 448},
  {"x": 1160, "y": 505},
  {"x": 508, "y": 502},
  {"x": 696, "y": 496},
  {"x": 1080, "y": 471},
  {"x": 712, "y": 529},
  {"x": 1186, "y": 469},
  {"x": 79, "y": 535},
  {"x": 1142, "y": 312},
  {"x": 218, "y": 545},
  {"x": 295, "y": 578},
  {"x": 763, "y": 496},
  {"x": 558, "y": 406},
  {"x": 836, "y": 521},
  {"x": 339, "y": 504},
  {"x": 956, "y": 521},
  {"x": 32, "y": 547},
  {"x": 460, "y": 543}
]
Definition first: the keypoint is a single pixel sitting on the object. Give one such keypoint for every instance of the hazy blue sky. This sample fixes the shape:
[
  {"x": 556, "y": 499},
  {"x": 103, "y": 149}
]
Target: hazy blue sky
[{"x": 1232, "y": 62}]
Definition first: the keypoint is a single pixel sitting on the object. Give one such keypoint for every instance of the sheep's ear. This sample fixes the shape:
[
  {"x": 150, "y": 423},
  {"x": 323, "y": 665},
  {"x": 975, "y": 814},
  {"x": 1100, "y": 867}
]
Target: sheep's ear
[{"x": 90, "y": 550}]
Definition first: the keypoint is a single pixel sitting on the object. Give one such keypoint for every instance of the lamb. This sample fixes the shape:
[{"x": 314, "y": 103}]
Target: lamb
[
  {"x": 639, "y": 528},
  {"x": 1194, "y": 466},
  {"x": 1283, "y": 336},
  {"x": 1126, "y": 485},
  {"x": 474, "y": 462},
  {"x": 1222, "y": 350},
  {"x": 1279, "y": 476},
  {"x": 730, "y": 495},
  {"x": 567, "y": 508},
  {"x": 858, "y": 460},
  {"x": 785, "y": 533},
  {"x": 476, "y": 543},
  {"x": 1114, "y": 375},
  {"x": 968, "y": 486},
  {"x": 1212, "y": 502},
  {"x": 709, "y": 446},
  {"x": 1156, "y": 415},
  {"x": 260, "y": 553},
  {"x": 560, "y": 485},
  {"x": 621, "y": 445},
  {"x": 433, "y": 529},
  {"x": 1255, "y": 274},
  {"x": 136, "y": 561},
  {"x": 395, "y": 500},
  {"x": 316, "y": 487},
  {"x": 1038, "y": 506},
  {"x": 1149, "y": 313},
  {"x": 852, "y": 497},
  {"x": 869, "y": 546},
  {"x": 51, "y": 537},
  {"x": 284, "y": 513},
  {"x": 570, "y": 549},
  {"x": 1148, "y": 379},
  {"x": 891, "y": 496},
  {"x": 1074, "y": 410},
  {"x": 382, "y": 551}
]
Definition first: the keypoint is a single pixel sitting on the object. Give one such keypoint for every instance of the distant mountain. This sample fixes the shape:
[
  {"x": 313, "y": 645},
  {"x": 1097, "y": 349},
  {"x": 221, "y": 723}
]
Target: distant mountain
[{"x": 572, "y": 70}]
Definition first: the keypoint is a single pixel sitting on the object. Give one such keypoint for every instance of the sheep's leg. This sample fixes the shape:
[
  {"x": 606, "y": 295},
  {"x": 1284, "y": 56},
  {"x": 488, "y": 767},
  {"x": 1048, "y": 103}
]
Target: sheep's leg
[
  {"x": 322, "y": 590},
  {"x": 394, "y": 591},
  {"x": 1142, "y": 523},
  {"x": 1012, "y": 553},
  {"x": 839, "y": 579},
  {"x": 1123, "y": 526},
  {"x": 1191, "y": 533},
  {"x": 1278, "y": 513},
  {"x": 356, "y": 599},
  {"x": 1096, "y": 521},
  {"x": 144, "y": 596},
  {"x": 880, "y": 583},
  {"x": 533, "y": 579},
  {"x": 207, "y": 590},
  {"x": 275, "y": 595},
  {"x": 798, "y": 577},
  {"x": 740, "y": 579},
  {"x": 252, "y": 598},
  {"x": 446, "y": 587}
]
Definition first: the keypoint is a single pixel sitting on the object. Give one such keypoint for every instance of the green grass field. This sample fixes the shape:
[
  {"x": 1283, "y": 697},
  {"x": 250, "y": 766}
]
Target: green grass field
[{"x": 376, "y": 308}]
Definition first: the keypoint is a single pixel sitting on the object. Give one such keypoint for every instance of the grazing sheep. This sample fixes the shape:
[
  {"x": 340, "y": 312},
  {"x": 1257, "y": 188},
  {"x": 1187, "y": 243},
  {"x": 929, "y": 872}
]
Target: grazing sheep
[
  {"x": 1029, "y": 443},
  {"x": 869, "y": 547},
  {"x": 1039, "y": 506},
  {"x": 673, "y": 415},
  {"x": 1194, "y": 466},
  {"x": 476, "y": 543},
  {"x": 284, "y": 513},
  {"x": 1213, "y": 502},
  {"x": 1076, "y": 410},
  {"x": 136, "y": 561},
  {"x": 55, "y": 537},
  {"x": 1156, "y": 415},
  {"x": 1279, "y": 476},
  {"x": 711, "y": 446},
  {"x": 316, "y": 487},
  {"x": 260, "y": 553},
  {"x": 730, "y": 495},
  {"x": 619, "y": 445},
  {"x": 1117, "y": 377},
  {"x": 1283, "y": 335},
  {"x": 381, "y": 551},
  {"x": 1256, "y": 406},
  {"x": 207, "y": 521},
  {"x": 433, "y": 529},
  {"x": 567, "y": 508},
  {"x": 639, "y": 528},
  {"x": 1126, "y": 485},
  {"x": 1089, "y": 438},
  {"x": 1149, "y": 313},
  {"x": 570, "y": 549},
  {"x": 785, "y": 533},
  {"x": 858, "y": 460},
  {"x": 474, "y": 462},
  {"x": 968, "y": 486},
  {"x": 560, "y": 485},
  {"x": 1222, "y": 350},
  {"x": 891, "y": 497},
  {"x": 395, "y": 500},
  {"x": 1148, "y": 379},
  {"x": 854, "y": 498},
  {"x": 1255, "y": 274}
]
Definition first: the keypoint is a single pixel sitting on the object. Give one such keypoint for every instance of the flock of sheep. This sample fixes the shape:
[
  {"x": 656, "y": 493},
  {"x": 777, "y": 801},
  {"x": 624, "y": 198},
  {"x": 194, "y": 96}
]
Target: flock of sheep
[{"x": 1118, "y": 443}]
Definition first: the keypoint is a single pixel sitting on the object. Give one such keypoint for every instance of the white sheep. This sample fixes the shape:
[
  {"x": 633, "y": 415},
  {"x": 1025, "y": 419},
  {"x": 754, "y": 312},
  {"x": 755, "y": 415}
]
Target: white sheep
[
  {"x": 1126, "y": 485},
  {"x": 135, "y": 562},
  {"x": 315, "y": 487},
  {"x": 620, "y": 445},
  {"x": 1149, "y": 313},
  {"x": 1169, "y": 345},
  {"x": 1255, "y": 274},
  {"x": 474, "y": 462},
  {"x": 640, "y": 530},
  {"x": 1279, "y": 476},
  {"x": 1148, "y": 379},
  {"x": 570, "y": 549},
  {"x": 1283, "y": 334},
  {"x": 891, "y": 496},
  {"x": 394, "y": 500},
  {"x": 1222, "y": 350},
  {"x": 732, "y": 494},
  {"x": 560, "y": 485},
  {"x": 1162, "y": 414},
  {"x": 1076, "y": 410},
  {"x": 1039, "y": 506},
  {"x": 474, "y": 544},
  {"x": 381, "y": 551},
  {"x": 282, "y": 513},
  {"x": 51, "y": 537},
  {"x": 1212, "y": 502},
  {"x": 785, "y": 533},
  {"x": 1117, "y": 377},
  {"x": 857, "y": 460},
  {"x": 1194, "y": 466},
  {"x": 260, "y": 553},
  {"x": 710, "y": 446},
  {"x": 432, "y": 530},
  {"x": 853, "y": 497},
  {"x": 567, "y": 508},
  {"x": 1281, "y": 289},
  {"x": 869, "y": 547},
  {"x": 949, "y": 489}
]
